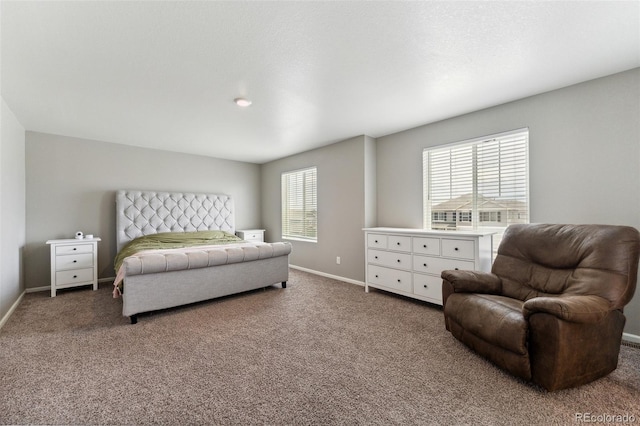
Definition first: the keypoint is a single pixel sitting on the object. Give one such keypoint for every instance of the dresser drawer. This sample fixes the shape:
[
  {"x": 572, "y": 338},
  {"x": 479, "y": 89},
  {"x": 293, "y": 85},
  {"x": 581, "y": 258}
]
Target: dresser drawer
[
  {"x": 74, "y": 261},
  {"x": 462, "y": 249},
  {"x": 435, "y": 265},
  {"x": 399, "y": 242},
  {"x": 428, "y": 286},
  {"x": 425, "y": 245},
  {"x": 75, "y": 248},
  {"x": 389, "y": 258},
  {"x": 377, "y": 241},
  {"x": 392, "y": 278},
  {"x": 74, "y": 276}
]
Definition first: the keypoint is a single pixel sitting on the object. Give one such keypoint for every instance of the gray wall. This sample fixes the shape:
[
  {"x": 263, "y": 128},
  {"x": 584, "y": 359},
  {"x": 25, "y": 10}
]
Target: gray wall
[
  {"x": 342, "y": 206},
  {"x": 71, "y": 185},
  {"x": 12, "y": 209},
  {"x": 584, "y": 145}
]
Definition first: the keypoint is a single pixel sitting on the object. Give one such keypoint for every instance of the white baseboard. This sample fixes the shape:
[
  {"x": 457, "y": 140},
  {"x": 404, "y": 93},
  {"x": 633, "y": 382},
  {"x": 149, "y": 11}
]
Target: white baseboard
[
  {"x": 37, "y": 289},
  {"x": 13, "y": 308},
  {"x": 323, "y": 274},
  {"x": 631, "y": 338}
]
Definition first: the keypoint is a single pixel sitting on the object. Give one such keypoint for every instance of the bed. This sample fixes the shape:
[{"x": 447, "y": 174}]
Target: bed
[{"x": 159, "y": 278}]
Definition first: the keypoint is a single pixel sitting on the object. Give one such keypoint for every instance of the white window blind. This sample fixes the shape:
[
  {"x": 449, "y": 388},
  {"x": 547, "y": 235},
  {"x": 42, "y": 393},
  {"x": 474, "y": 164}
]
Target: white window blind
[
  {"x": 477, "y": 184},
  {"x": 300, "y": 204}
]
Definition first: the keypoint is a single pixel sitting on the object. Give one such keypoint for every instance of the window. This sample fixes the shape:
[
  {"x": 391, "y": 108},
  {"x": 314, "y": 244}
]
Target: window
[
  {"x": 481, "y": 184},
  {"x": 300, "y": 205},
  {"x": 492, "y": 216}
]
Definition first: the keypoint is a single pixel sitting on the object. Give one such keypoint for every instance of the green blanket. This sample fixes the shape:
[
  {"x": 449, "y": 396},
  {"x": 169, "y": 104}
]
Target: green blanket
[{"x": 172, "y": 240}]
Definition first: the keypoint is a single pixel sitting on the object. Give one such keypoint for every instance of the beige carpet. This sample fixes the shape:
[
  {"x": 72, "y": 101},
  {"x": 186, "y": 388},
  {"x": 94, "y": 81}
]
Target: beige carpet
[{"x": 318, "y": 352}]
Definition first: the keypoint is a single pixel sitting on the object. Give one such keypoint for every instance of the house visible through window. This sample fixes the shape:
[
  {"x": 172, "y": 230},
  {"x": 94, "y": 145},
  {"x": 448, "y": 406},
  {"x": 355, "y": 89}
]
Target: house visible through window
[
  {"x": 300, "y": 205},
  {"x": 481, "y": 184}
]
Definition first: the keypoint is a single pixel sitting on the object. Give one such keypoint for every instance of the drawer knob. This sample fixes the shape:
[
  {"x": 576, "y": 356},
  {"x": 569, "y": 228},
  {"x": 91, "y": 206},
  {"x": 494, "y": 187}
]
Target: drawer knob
[
  {"x": 376, "y": 257},
  {"x": 456, "y": 269},
  {"x": 424, "y": 264},
  {"x": 398, "y": 243},
  {"x": 398, "y": 260},
  {"x": 75, "y": 276},
  {"x": 425, "y": 286},
  {"x": 424, "y": 245},
  {"x": 376, "y": 276},
  {"x": 398, "y": 280},
  {"x": 75, "y": 261},
  {"x": 75, "y": 248},
  {"x": 456, "y": 249},
  {"x": 376, "y": 241}
]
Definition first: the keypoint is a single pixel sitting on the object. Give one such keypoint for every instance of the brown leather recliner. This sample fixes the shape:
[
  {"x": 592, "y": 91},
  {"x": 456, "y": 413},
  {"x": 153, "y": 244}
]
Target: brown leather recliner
[{"x": 550, "y": 311}]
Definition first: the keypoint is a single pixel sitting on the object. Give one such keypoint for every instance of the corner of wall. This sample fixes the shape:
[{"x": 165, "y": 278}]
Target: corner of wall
[
  {"x": 370, "y": 182},
  {"x": 12, "y": 209}
]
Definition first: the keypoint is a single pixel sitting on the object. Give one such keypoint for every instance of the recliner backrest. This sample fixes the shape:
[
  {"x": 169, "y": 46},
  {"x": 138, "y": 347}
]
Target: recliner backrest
[{"x": 550, "y": 260}]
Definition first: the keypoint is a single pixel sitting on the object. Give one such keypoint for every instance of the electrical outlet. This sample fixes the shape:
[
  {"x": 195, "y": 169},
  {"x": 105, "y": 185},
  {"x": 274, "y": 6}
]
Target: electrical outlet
[{"x": 338, "y": 260}]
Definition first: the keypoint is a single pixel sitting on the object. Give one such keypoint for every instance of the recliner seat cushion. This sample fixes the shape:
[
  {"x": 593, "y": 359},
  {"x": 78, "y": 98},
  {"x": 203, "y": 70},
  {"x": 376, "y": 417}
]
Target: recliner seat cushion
[{"x": 498, "y": 320}]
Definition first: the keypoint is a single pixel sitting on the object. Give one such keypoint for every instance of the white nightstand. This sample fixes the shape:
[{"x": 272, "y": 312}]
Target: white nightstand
[
  {"x": 251, "y": 234},
  {"x": 73, "y": 263}
]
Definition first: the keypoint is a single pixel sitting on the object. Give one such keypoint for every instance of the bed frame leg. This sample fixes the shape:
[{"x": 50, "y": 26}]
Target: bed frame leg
[
  {"x": 284, "y": 284},
  {"x": 134, "y": 319}
]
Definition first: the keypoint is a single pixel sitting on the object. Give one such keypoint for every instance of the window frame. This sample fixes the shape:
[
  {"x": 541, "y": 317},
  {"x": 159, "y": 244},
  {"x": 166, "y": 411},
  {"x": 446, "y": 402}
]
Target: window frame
[
  {"x": 473, "y": 144},
  {"x": 308, "y": 220}
]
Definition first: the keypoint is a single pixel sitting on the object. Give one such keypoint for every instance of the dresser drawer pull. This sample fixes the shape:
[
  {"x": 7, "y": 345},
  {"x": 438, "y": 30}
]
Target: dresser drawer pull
[
  {"x": 398, "y": 260},
  {"x": 75, "y": 276},
  {"x": 424, "y": 245},
  {"x": 376, "y": 241},
  {"x": 376, "y": 276},
  {"x": 456, "y": 248},
  {"x": 456, "y": 269},
  {"x": 424, "y": 264},
  {"x": 75, "y": 261},
  {"x": 75, "y": 248},
  {"x": 425, "y": 286},
  {"x": 376, "y": 257},
  {"x": 399, "y": 280},
  {"x": 398, "y": 243}
]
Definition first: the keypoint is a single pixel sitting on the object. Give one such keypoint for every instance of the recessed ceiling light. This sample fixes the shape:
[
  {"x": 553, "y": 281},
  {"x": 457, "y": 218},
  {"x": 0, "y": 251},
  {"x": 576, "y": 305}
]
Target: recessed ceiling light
[{"x": 242, "y": 102}]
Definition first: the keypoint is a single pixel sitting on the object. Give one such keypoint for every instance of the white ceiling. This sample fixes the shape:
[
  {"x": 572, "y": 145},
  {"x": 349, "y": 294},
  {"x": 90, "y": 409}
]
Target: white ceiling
[{"x": 164, "y": 74}]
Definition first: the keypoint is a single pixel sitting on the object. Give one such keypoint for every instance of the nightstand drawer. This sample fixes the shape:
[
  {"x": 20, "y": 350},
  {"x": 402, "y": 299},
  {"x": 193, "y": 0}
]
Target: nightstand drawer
[
  {"x": 74, "y": 261},
  {"x": 76, "y": 248},
  {"x": 251, "y": 234},
  {"x": 74, "y": 276}
]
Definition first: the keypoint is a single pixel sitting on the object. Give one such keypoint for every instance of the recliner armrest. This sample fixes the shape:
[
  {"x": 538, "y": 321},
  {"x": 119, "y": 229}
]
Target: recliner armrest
[
  {"x": 573, "y": 308},
  {"x": 473, "y": 281}
]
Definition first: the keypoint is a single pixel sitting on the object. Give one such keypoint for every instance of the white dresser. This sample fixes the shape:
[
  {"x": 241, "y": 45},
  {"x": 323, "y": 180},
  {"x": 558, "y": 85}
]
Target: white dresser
[
  {"x": 73, "y": 263},
  {"x": 409, "y": 261}
]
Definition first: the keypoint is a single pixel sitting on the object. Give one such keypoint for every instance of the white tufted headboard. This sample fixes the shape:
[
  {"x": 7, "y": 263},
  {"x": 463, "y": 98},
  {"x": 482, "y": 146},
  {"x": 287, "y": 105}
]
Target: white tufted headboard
[{"x": 141, "y": 213}]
